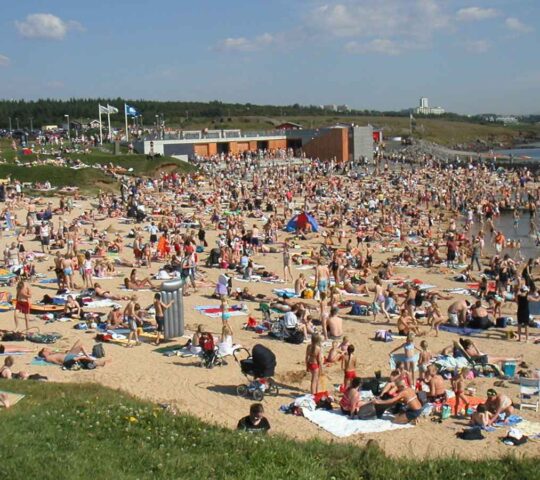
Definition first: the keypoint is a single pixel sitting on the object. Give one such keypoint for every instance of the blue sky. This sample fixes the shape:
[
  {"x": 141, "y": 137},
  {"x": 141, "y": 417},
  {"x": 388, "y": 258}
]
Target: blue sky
[{"x": 467, "y": 56}]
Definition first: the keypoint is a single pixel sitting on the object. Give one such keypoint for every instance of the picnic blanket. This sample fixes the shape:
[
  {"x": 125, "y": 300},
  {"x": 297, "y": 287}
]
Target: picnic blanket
[
  {"x": 341, "y": 426},
  {"x": 13, "y": 398}
]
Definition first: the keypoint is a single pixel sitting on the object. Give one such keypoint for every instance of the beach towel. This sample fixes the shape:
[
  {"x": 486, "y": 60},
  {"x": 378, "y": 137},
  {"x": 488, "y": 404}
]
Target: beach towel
[
  {"x": 41, "y": 362},
  {"x": 341, "y": 426},
  {"x": 451, "y": 363},
  {"x": 511, "y": 421},
  {"x": 48, "y": 280},
  {"x": 7, "y": 354},
  {"x": 107, "y": 302},
  {"x": 285, "y": 292},
  {"x": 467, "y": 332},
  {"x": 458, "y": 291},
  {"x": 13, "y": 398},
  {"x": 305, "y": 267},
  {"x": 471, "y": 400},
  {"x": 531, "y": 429},
  {"x": 168, "y": 348}
]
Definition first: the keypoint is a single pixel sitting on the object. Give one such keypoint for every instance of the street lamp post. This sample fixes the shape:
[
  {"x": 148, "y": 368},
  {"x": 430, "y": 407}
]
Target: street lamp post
[
  {"x": 31, "y": 124},
  {"x": 17, "y": 122},
  {"x": 68, "y": 129},
  {"x": 10, "y": 129}
]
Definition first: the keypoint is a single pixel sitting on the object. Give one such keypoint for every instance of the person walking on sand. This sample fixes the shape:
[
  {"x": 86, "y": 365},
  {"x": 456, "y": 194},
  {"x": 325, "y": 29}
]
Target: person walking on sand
[
  {"x": 287, "y": 269},
  {"x": 314, "y": 362},
  {"x": 23, "y": 301}
]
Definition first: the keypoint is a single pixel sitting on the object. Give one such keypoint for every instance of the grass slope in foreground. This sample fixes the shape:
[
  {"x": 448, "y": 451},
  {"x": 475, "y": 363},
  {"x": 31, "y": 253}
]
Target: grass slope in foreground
[{"x": 90, "y": 432}]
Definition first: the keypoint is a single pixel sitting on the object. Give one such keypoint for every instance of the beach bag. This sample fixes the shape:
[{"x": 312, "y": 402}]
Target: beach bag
[
  {"x": 383, "y": 336},
  {"x": 358, "y": 309},
  {"x": 307, "y": 293},
  {"x": 470, "y": 434},
  {"x": 446, "y": 411},
  {"x": 46, "y": 338},
  {"x": 87, "y": 364},
  {"x": 98, "y": 351},
  {"x": 13, "y": 337},
  {"x": 81, "y": 326},
  {"x": 296, "y": 338},
  {"x": 503, "y": 322},
  {"x": 199, "y": 249}
]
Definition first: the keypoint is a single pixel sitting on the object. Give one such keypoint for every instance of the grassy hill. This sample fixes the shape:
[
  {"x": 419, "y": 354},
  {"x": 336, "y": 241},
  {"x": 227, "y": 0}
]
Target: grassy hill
[
  {"x": 90, "y": 432},
  {"x": 443, "y": 131},
  {"x": 88, "y": 179}
]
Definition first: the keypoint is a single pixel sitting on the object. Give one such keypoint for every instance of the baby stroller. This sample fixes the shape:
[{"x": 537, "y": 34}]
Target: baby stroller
[
  {"x": 210, "y": 357},
  {"x": 259, "y": 369}
]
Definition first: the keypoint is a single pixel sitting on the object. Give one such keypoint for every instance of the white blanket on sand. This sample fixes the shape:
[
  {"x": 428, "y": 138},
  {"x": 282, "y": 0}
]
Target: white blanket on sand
[
  {"x": 107, "y": 302},
  {"x": 341, "y": 426}
]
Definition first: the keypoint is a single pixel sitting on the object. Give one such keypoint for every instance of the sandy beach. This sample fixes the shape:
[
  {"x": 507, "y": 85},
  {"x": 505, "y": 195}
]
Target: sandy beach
[{"x": 211, "y": 393}]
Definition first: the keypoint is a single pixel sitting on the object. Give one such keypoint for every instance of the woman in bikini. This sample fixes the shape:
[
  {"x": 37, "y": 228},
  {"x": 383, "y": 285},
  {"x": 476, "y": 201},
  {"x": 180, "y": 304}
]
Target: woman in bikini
[
  {"x": 351, "y": 401},
  {"x": 407, "y": 396},
  {"x": 314, "y": 362}
]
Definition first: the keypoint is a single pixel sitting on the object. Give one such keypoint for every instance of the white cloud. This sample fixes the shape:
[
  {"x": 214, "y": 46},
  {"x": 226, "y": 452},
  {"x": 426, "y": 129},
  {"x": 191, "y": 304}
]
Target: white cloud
[
  {"x": 4, "y": 61},
  {"x": 384, "y": 46},
  {"x": 517, "y": 25},
  {"x": 46, "y": 25},
  {"x": 379, "y": 18},
  {"x": 244, "y": 44},
  {"x": 474, "y": 14},
  {"x": 384, "y": 26},
  {"x": 477, "y": 46}
]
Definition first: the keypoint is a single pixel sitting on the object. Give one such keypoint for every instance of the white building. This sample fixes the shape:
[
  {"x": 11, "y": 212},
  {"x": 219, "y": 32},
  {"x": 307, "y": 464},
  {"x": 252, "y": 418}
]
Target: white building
[{"x": 425, "y": 109}]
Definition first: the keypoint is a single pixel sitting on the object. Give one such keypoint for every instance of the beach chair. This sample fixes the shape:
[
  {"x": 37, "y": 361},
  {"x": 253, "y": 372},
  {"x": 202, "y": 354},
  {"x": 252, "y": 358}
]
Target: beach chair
[
  {"x": 529, "y": 393},
  {"x": 480, "y": 366}
]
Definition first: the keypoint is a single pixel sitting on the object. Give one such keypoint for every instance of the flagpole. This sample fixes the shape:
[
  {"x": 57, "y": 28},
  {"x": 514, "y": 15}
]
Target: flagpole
[
  {"x": 100, "y": 127},
  {"x": 127, "y": 127},
  {"x": 109, "y": 123}
]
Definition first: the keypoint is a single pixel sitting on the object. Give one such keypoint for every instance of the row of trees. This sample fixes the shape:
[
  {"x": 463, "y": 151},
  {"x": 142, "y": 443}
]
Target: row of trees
[{"x": 52, "y": 111}]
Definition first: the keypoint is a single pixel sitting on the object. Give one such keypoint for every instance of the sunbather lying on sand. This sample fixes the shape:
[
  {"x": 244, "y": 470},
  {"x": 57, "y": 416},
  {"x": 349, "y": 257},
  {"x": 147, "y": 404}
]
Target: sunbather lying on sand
[
  {"x": 75, "y": 353},
  {"x": 102, "y": 293}
]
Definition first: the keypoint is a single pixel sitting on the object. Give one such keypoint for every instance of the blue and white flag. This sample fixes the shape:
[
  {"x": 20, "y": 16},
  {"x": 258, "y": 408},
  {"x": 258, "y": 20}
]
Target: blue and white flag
[{"x": 131, "y": 111}]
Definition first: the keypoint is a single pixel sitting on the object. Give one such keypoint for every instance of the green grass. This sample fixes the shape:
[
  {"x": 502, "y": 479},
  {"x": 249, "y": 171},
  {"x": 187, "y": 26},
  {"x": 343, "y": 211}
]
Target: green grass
[
  {"x": 86, "y": 179},
  {"x": 90, "y": 432}
]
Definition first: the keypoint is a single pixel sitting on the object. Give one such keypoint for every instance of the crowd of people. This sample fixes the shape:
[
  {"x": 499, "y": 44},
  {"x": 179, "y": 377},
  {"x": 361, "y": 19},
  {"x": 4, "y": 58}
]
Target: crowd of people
[{"x": 372, "y": 223}]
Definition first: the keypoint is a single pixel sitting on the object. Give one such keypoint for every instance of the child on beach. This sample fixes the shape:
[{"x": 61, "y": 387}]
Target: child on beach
[
  {"x": 458, "y": 386},
  {"x": 160, "y": 308},
  {"x": 314, "y": 362},
  {"x": 425, "y": 356},
  {"x": 334, "y": 355},
  {"x": 130, "y": 319},
  {"x": 411, "y": 357},
  {"x": 348, "y": 364}
]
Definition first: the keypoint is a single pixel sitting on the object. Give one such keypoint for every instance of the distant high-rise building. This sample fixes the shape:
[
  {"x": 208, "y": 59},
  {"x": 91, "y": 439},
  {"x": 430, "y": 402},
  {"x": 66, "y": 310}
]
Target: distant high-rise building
[{"x": 425, "y": 109}]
